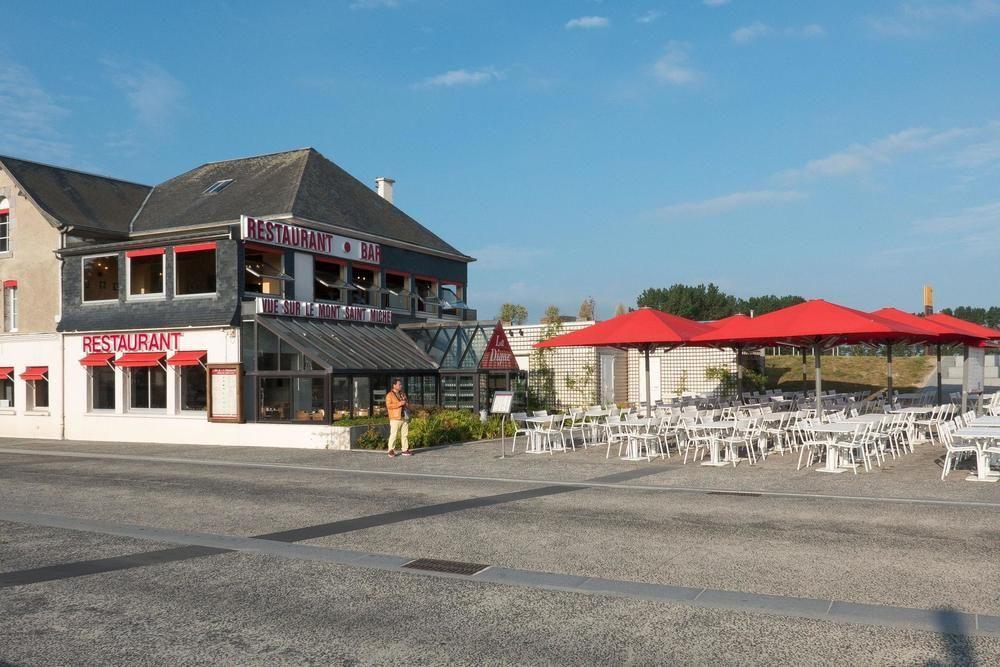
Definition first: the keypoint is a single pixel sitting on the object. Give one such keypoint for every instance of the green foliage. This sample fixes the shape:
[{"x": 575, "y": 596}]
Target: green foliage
[
  {"x": 514, "y": 313},
  {"x": 441, "y": 427},
  {"x": 583, "y": 386},
  {"x": 729, "y": 381},
  {"x": 551, "y": 315},
  {"x": 682, "y": 383},
  {"x": 542, "y": 379},
  {"x": 989, "y": 317},
  {"x": 371, "y": 439},
  {"x": 708, "y": 302},
  {"x": 588, "y": 310}
]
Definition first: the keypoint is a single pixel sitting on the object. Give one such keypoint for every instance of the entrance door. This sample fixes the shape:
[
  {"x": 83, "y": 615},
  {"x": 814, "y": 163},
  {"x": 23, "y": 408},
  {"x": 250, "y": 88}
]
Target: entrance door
[
  {"x": 654, "y": 379},
  {"x": 607, "y": 379}
]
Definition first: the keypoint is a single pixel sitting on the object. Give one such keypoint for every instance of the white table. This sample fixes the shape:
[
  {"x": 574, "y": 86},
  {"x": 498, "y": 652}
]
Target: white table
[
  {"x": 593, "y": 420},
  {"x": 986, "y": 421},
  {"x": 980, "y": 435},
  {"x": 535, "y": 440},
  {"x": 872, "y": 418},
  {"x": 832, "y": 455},
  {"x": 714, "y": 458},
  {"x": 917, "y": 410}
]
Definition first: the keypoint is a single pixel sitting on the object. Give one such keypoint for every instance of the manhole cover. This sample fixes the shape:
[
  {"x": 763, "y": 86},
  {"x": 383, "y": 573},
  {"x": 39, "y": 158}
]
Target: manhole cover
[{"x": 446, "y": 566}]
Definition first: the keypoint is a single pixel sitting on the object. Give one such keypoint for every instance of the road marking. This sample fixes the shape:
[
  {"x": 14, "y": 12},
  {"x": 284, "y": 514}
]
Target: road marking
[
  {"x": 513, "y": 480},
  {"x": 946, "y": 620}
]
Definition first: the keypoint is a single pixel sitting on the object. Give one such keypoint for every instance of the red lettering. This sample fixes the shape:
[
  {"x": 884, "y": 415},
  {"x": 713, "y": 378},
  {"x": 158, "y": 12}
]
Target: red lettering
[{"x": 87, "y": 345}]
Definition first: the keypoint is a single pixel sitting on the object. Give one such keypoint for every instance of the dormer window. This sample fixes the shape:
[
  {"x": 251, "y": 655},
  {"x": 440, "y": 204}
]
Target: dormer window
[{"x": 217, "y": 187}]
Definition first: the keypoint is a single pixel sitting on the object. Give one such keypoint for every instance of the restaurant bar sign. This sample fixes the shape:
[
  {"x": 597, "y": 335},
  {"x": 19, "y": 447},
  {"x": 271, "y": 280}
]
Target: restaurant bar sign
[
  {"x": 322, "y": 311},
  {"x": 498, "y": 356},
  {"x": 276, "y": 233},
  {"x": 153, "y": 341}
]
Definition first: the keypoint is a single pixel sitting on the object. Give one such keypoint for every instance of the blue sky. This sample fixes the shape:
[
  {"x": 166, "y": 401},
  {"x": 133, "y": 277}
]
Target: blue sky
[{"x": 847, "y": 150}]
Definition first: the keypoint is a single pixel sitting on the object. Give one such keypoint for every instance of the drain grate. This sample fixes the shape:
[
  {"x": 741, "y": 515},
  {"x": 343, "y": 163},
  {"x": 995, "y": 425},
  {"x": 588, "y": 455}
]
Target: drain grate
[
  {"x": 733, "y": 493},
  {"x": 446, "y": 566}
]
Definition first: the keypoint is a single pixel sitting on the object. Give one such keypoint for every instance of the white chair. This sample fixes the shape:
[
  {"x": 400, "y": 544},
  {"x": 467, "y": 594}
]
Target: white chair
[
  {"x": 520, "y": 428},
  {"x": 954, "y": 452}
]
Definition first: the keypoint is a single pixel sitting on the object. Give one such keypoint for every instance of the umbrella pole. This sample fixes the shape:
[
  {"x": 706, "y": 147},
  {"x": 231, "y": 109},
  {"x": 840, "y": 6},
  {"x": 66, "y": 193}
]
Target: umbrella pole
[
  {"x": 739, "y": 375},
  {"x": 939, "y": 397},
  {"x": 888, "y": 372},
  {"x": 965, "y": 378},
  {"x": 819, "y": 382},
  {"x": 649, "y": 396},
  {"x": 805, "y": 383}
]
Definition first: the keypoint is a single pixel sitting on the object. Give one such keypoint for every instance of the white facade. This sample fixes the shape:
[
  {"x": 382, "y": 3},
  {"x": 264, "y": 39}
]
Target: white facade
[{"x": 25, "y": 419}]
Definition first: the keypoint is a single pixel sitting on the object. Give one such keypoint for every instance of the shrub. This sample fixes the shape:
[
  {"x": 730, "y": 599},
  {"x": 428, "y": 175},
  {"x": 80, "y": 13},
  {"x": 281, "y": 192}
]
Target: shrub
[{"x": 371, "y": 439}]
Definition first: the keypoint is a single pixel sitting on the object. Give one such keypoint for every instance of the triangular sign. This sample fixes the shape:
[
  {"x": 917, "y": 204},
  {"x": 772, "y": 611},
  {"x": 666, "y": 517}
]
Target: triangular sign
[{"x": 498, "y": 356}]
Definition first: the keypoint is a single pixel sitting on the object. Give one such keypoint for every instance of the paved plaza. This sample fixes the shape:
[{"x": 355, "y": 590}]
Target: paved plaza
[{"x": 173, "y": 554}]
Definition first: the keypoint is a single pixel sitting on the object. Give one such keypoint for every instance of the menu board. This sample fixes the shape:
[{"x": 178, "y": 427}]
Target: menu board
[
  {"x": 502, "y": 402},
  {"x": 225, "y": 393}
]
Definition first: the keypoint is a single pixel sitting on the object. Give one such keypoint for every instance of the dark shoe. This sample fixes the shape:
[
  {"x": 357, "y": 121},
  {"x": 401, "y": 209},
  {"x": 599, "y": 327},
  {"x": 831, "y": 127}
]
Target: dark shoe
[
  {"x": 407, "y": 453},
  {"x": 392, "y": 453}
]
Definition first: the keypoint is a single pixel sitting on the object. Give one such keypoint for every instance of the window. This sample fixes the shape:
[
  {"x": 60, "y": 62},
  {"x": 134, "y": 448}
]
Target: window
[
  {"x": 4, "y": 225},
  {"x": 362, "y": 397},
  {"x": 6, "y": 392},
  {"x": 308, "y": 399},
  {"x": 217, "y": 187},
  {"x": 396, "y": 294},
  {"x": 145, "y": 272},
  {"x": 194, "y": 388},
  {"x": 194, "y": 269},
  {"x": 264, "y": 272},
  {"x": 427, "y": 300},
  {"x": 100, "y": 278},
  {"x": 340, "y": 396},
  {"x": 38, "y": 394},
  {"x": 451, "y": 299},
  {"x": 102, "y": 388},
  {"x": 147, "y": 388},
  {"x": 328, "y": 279},
  {"x": 10, "y": 306},
  {"x": 275, "y": 399},
  {"x": 363, "y": 281}
]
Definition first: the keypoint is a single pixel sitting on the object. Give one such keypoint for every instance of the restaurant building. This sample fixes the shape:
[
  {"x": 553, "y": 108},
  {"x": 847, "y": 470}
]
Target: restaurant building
[{"x": 250, "y": 301}]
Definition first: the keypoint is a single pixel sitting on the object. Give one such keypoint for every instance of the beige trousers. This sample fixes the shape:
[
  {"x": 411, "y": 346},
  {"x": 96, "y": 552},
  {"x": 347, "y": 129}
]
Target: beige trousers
[{"x": 402, "y": 428}]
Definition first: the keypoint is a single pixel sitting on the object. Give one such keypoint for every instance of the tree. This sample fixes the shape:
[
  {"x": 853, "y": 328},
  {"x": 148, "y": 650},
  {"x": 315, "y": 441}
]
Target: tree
[
  {"x": 551, "y": 315},
  {"x": 620, "y": 309},
  {"x": 768, "y": 303},
  {"x": 695, "y": 302},
  {"x": 514, "y": 313},
  {"x": 588, "y": 309}
]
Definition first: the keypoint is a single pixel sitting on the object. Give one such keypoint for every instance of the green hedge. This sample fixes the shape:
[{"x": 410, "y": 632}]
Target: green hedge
[{"x": 440, "y": 427}]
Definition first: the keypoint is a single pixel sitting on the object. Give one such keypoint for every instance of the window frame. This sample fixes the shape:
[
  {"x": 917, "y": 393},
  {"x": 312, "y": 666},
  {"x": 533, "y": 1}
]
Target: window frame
[
  {"x": 422, "y": 305},
  {"x": 386, "y": 301},
  {"x": 179, "y": 385},
  {"x": 318, "y": 261},
  {"x": 12, "y": 407},
  {"x": 372, "y": 294},
  {"x": 91, "y": 393},
  {"x": 128, "y": 391},
  {"x": 83, "y": 279},
  {"x": 31, "y": 397},
  {"x": 5, "y": 210},
  {"x": 196, "y": 295},
  {"x": 9, "y": 308},
  {"x": 283, "y": 280},
  {"x": 154, "y": 296}
]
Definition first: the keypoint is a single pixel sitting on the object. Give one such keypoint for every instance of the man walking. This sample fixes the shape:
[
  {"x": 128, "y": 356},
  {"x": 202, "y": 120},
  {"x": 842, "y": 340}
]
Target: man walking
[{"x": 398, "y": 406}]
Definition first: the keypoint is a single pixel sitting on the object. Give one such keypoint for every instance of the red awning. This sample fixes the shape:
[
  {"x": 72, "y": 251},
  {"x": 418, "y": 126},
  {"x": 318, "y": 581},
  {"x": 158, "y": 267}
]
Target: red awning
[
  {"x": 35, "y": 373},
  {"x": 187, "y": 358},
  {"x": 965, "y": 327},
  {"x": 194, "y": 247},
  {"x": 145, "y": 252},
  {"x": 643, "y": 328},
  {"x": 96, "y": 359},
  {"x": 937, "y": 333},
  {"x": 140, "y": 359},
  {"x": 815, "y": 322},
  {"x": 5, "y": 372}
]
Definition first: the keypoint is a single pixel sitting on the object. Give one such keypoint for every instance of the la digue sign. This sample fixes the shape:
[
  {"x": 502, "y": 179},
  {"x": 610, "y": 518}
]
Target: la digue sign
[
  {"x": 322, "y": 311},
  {"x": 274, "y": 232}
]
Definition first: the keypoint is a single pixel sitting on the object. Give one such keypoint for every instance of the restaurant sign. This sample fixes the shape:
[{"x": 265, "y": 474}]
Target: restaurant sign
[
  {"x": 153, "y": 341},
  {"x": 498, "y": 356},
  {"x": 322, "y": 311},
  {"x": 277, "y": 233}
]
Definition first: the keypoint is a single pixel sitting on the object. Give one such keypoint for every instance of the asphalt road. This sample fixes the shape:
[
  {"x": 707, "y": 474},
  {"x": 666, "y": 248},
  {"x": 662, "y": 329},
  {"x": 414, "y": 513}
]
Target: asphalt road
[{"x": 156, "y": 554}]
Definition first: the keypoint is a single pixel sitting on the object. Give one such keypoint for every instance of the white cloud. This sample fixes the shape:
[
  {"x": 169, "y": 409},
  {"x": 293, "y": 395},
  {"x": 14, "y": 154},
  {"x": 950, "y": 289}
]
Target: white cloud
[
  {"x": 649, "y": 17},
  {"x": 154, "y": 94},
  {"x": 863, "y": 157},
  {"x": 757, "y": 30},
  {"x": 374, "y": 4},
  {"x": 588, "y": 23},
  {"x": 461, "y": 77},
  {"x": 673, "y": 67},
  {"x": 917, "y": 18},
  {"x": 728, "y": 203},
  {"x": 972, "y": 219},
  {"x": 30, "y": 117},
  {"x": 749, "y": 33},
  {"x": 715, "y": 3}
]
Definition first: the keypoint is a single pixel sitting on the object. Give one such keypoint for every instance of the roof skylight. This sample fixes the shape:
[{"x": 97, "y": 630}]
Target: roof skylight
[{"x": 217, "y": 187}]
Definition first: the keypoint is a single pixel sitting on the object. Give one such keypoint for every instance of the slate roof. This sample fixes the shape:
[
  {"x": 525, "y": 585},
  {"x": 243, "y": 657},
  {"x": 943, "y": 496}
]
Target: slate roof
[
  {"x": 301, "y": 183},
  {"x": 76, "y": 198}
]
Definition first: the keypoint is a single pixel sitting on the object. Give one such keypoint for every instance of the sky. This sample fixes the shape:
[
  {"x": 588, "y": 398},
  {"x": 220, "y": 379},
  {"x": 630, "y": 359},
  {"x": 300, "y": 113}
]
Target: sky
[{"x": 842, "y": 150}]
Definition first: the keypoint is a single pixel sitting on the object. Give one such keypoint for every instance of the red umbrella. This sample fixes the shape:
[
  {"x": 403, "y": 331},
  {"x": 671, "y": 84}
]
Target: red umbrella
[
  {"x": 644, "y": 329},
  {"x": 970, "y": 329},
  {"x": 817, "y": 323}
]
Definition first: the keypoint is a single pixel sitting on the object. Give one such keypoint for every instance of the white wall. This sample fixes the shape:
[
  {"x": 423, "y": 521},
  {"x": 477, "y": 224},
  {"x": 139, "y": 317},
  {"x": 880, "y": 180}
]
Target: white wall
[{"x": 21, "y": 351}]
